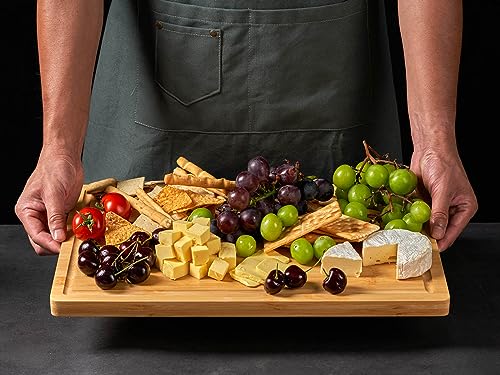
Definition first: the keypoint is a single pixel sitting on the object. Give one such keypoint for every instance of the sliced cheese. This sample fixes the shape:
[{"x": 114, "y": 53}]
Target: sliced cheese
[
  {"x": 243, "y": 280},
  {"x": 413, "y": 251},
  {"x": 265, "y": 266},
  {"x": 343, "y": 256}
]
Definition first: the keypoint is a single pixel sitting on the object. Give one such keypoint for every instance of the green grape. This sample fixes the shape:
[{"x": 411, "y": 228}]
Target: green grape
[
  {"x": 402, "y": 181},
  {"x": 245, "y": 245},
  {"x": 342, "y": 204},
  {"x": 362, "y": 172},
  {"x": 302, "y": 250},
  {"x": 271, "y": 227},
  {"x": 411, "y": 224},
  {"x": 356, "y": 210},
  {"x": 288, "y": 215},
  {"x": 344, "y": 176},
  {"x": 396, "y": 224},
  {"x": 360, "y": 193},
  {"x": 390, "y": 167},
  {"x": 376, "y": 176},
  {"x": 200, "y": 212},
  {"x": 395, "y": 213},
  {"x": 341, "y": 193},
  {"x": 420, "y": 211},
  {"x": 393, "y": 198},
  {"x": 322, "y": 244}
]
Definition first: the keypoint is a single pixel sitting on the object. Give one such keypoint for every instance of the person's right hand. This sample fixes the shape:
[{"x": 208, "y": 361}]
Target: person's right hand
[{"x": 49, "y": 194}]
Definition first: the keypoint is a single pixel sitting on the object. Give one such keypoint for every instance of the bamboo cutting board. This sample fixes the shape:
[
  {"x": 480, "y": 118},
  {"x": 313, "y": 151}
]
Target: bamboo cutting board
[{"x": 375, "y": 293}]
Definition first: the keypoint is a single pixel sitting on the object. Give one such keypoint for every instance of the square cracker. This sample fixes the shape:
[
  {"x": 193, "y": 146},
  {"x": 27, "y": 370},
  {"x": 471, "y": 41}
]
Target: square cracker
[
  {"x": 131, "y": 185},
  {"x": 172, "y": 199},
  {"x": 349, "y": 228},
  {"x": 118, "y": 229},
  {"x": 201, "y": 200}
]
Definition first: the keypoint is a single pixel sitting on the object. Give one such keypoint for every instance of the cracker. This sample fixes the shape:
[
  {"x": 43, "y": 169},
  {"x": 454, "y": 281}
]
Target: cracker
[
  {"x": 349, "y": 228},
  {"x": 306, "y": 224},
  {"x": 144, "y": 222},
  {"x": 131, "y": 185},
  {"x": 118, "y": 229},
  {"x": 172, "y": 199},
  {"x": 201, "y": 200}
]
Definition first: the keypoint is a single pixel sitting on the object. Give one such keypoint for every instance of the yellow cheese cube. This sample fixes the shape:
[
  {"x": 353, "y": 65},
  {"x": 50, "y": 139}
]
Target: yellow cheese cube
[
  {"x": 181, "y": 225},
  {"x": 199, "y": 254},
  {"x": 202, "y": 220},
  {"x": 228, "y": 253},
  {"x": 198, "y": 271},
  {"x": 211, "y": 259},
  {"x": 213, "y": 244},
  {"x": 163, "y": 252},
  {"x": 182, "y": 248},
  {"x": 218, "y": 269},
  {"x": 199, "y": 233},
  {"x": 169, "y": 236},
  {"x": 175, "y": 269}
]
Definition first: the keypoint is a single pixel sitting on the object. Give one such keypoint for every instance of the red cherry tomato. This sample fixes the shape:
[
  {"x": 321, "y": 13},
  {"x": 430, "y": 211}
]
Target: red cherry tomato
[
  {"x": 88, "y": 223},
  {"x": 116, "y": 203}
]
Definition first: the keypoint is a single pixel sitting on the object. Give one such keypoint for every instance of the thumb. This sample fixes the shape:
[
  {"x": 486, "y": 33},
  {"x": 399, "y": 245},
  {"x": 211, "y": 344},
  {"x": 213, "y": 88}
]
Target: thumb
[
  {"x": 439, "y": 215},
  {"x": 56, "y": 217}
]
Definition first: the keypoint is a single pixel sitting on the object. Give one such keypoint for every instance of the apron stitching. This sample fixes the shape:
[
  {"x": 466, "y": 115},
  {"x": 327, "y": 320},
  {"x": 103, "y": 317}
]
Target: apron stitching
[
  {"x": 251, "y": 132},
  {"x": 249, "y": 50},
  {"x": 263, "y": 24}
]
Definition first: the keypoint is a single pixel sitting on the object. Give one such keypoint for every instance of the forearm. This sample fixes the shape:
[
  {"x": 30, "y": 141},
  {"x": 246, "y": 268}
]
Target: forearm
[
  {"x": 431, "y": 32},
  {"x": 68, "y": 37}
]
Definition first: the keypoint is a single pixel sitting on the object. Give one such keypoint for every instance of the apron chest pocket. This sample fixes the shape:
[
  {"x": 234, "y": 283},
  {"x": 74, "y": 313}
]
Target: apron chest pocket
[{"x": 188, "y": 62}]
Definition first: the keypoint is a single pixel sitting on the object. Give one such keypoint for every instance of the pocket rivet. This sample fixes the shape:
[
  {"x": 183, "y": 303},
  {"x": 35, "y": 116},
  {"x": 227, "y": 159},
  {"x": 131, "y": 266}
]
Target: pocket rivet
[
  {"x": 214, "y": 33},
  {"x": 158, "y": 25}
]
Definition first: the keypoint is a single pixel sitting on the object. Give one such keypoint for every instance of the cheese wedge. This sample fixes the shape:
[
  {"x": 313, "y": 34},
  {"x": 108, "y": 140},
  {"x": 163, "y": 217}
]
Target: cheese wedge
[
  {"x": 343, "y": 256},
  {"x": 412, "y": 251}
]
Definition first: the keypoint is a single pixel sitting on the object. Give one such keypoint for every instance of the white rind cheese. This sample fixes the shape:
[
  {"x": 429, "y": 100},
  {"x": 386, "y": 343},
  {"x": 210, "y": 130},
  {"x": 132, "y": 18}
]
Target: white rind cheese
[
  {"x": 413, "y": 251},
  {"x": 343, "y": 256}
]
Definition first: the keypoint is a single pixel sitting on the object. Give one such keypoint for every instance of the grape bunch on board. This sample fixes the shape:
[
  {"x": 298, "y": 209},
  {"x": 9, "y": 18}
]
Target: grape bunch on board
[
  {"x": 381, "y": 191},
  {"x": 266, "y": 200}
]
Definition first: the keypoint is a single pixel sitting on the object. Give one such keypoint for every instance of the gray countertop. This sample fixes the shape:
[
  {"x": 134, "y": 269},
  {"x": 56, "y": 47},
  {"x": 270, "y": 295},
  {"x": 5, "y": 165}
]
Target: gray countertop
[{"x": 467, "y": 341}]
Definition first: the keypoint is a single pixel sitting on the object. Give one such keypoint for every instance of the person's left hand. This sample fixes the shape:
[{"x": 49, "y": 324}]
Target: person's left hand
[{"x": 453, "y": 200}]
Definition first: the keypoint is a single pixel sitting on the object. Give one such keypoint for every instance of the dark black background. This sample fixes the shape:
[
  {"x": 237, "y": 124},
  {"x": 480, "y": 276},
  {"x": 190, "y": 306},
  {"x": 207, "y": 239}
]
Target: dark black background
[{"x": 476, "y": 115}]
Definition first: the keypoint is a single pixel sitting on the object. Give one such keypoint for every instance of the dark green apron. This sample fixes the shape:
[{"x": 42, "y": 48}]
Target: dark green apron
[{"x": 221, "y": 81}]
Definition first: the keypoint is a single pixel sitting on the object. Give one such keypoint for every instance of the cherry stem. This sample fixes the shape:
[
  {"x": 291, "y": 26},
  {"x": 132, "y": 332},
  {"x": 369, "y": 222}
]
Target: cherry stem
[
  {"x": 314, "y": 265},
  {"x": 130, "y": 265}
]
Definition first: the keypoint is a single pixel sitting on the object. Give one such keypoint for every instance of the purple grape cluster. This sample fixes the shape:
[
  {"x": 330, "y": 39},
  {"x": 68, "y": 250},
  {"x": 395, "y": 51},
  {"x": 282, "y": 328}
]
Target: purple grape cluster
[{"x": 261, "y": 189}]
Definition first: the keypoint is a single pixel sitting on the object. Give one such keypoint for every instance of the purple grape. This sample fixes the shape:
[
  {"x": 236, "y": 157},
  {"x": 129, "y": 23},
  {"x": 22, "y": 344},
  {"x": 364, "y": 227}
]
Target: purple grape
[
  {"x": 250, "y": 219},
  {"x": 325, "y": 189},
  {"x": 289, "y": 194},
  {"x": 222, "y": 208},
  {"x": 87, "y": 262},
  {"x": 259, "y": 167},
  {"x": 232, "y": 237},
  {"x": 287, "y": 174},
  {"x": 302, "y": 207},
  {"x": 238, "y": 198},
  {"x": 309, "y": 189},
  {"x": 265, "y": 206},
  {"x": 248, "y": 181},
  {"x": 272, "y": 177},
  {"x": 214, "y": 228},
  {"x": 227, "y": 222}
]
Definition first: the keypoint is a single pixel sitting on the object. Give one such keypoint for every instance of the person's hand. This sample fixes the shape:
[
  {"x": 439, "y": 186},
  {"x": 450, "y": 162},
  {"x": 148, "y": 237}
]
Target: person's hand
[
  {"x": 454, "y": 202},
  {"x": 49, "y": 194}
]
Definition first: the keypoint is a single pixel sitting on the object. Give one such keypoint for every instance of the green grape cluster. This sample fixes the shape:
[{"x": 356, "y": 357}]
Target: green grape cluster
[{"x": 381, "y": 191}]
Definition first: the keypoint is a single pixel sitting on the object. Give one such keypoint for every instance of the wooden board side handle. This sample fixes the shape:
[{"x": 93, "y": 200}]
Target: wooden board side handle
[{"x": 143, "y": 208}]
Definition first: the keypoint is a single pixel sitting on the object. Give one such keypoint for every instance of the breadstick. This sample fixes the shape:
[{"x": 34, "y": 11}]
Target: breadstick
[
  {"x": 179, "y": 171},
  {"x": 143, "y": 208},
  {"x": 219, "y": 183},
  {"x": 190, "y": 167},
  {"x": 145, "y": 198},
  {"x": 100, "y": 185}
]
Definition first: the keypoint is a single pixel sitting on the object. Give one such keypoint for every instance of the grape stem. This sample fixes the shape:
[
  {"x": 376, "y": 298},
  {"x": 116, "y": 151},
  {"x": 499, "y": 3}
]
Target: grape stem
[{"x": 375, "y": 158}]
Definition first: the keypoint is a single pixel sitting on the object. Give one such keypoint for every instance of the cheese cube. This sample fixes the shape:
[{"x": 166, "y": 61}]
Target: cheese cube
[
  {"x": 199, "y": 233},
  {"x": 198, "y": 271},
  {"x": 169, "y": 236},
  {"x": 228, "y": 253},
  {"x": 199, "y": 254},
  {"x": 218, "y": 269},
  {"x": 175, "y": 269},
  {"x": 202, "y": 220},
  {"x": 182, "y": 248},
  {"x": 211, "y": 259},
  {"x": 213, "y": 244},
  {"x": 164, "y": 252},
  {"x": 181, "y": 225}
]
